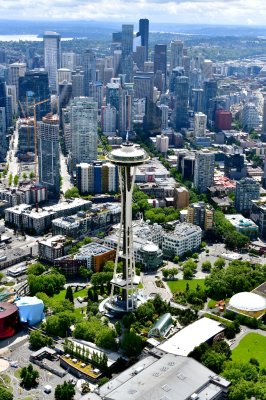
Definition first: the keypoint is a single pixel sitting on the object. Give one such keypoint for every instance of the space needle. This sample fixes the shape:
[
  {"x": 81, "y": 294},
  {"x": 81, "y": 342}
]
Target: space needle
[{"x": 123, "y": 294}]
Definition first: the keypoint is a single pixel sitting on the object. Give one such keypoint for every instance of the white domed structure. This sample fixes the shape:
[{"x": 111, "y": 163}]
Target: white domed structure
[{"x": 248, "y": 302}]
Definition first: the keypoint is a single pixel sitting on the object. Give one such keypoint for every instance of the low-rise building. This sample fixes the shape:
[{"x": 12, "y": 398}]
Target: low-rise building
[
  {"x": 258, "y": 215},
  {"x": 26, "y": 193},
  {"x": 99, "y": 217},
  {"x": 39, "y": 220},
  {"x": 243, "y": 225},
  {"x": 186, "y": 237}
]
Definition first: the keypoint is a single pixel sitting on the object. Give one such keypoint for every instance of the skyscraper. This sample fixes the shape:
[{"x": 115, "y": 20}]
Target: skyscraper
[
  {"x": 52, "y": 56},
  {"x": 89, "y": 65},
  {"x": 144, "y": 35},
  {"x": 180, "y": 114},
  {"x": 83, "y": 122},
  {"x": 125, "y": 111},
  {"x": 200, "y": 122},
  {"x": 204, "y": 170},
  {"x": 127, "y": 40},
  {"x": 48, "y": 154},
  {"x": 160, "y": 59},
  {"x": 34, "y": 87},
  {"x": 176, "y": 54},
  {"x": 209, "y": 92},
  {"x": 247, "y": 189}
]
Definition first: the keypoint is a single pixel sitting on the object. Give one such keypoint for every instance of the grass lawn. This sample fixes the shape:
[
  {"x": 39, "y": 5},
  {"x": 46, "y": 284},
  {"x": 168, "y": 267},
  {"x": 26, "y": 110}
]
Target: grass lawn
[
  {"x": 211, "y": 303},
  {"x": 253, "y": 345},
  {"x": 180, "y": 285},
  {"x": 62, "y": 293},
  {"x": 5, "y": 382},
  {"x": 17, "y": 373}
]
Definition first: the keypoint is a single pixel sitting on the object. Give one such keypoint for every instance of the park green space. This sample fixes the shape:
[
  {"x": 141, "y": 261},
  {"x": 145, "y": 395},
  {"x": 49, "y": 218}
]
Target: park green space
[
  {"x": 253, "y": 345},
  {"x": 181, "y": 285},
  {"x": 61, "y": 295}
]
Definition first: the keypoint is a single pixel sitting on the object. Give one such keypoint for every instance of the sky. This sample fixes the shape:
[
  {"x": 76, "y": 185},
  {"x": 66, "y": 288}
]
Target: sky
[{"x": 228, "y": 12}]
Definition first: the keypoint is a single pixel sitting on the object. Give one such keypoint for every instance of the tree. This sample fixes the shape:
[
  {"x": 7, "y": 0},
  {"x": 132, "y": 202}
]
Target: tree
[
  {"x": 69, "y": 294},
  {"x": 32, "y": 175},
  {"x": 1, "y": 276},
  {"x": 213, "y": 360},
  {"x": 36, "y": 269},
  {"x": 5, "y": 394},
  {"x": 15, "y": 180},
  {"x": 66, "y": 391},
  {"x": 24, "y": 176},
  {"x": 176, "y": 259},
  {"x": 37, "y": 340},
  {"x": 73, "y": 192},
  {"x": 85, "y": 273},
  {"x": 187, "y": 273},
  {"x": 219, "y": 263},
  {"x": 131, "y": 344},
  {"x": 29, "y": 377},
  {"x": 10, "y": 179},
  {"x": 118, "y": 327},
  {"x": 165, "y": 273},
  {"x": 206, "y": 266}
]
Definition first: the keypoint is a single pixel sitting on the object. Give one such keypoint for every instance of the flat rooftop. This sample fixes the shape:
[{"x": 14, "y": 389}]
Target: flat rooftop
[{"x": 184, "y": 341}]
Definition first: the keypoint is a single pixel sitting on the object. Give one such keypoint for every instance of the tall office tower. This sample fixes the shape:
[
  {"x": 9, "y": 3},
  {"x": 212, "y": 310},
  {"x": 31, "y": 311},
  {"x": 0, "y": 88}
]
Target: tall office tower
[
  {"x": 186, "y": 65},
  {"x": 263, "y": 128},
  {"x": 176, "y": 54},
  {"x": 159, "y": 81},
  {"x": 178, "y": 71},
  {"x": 264, "y": 175},
  {"x": 52, "y": 56},
  {"x": 203, "y": 170},
  {"x": 89, "y": 65},
  {"x": 206, "y": 68},
  {"x": 165, "y": 112},
  {"x": 83, "y": 122},
  {"x": 26, "y": 136},
  {"x": 109, "y": 120},
  {"x": 197, "y": 100},
  {"x": 127, "y": 68},
  {"x": 100, "y": 65},
  {"x": 34, "y": 87},
  {"x": 48, "y": 154},
  {"x": 117, "y": 62},
  {"x": 180, "y": 114},
  {"x": 78, "y": 84},
  {"x": 200, "y": 122},
  {"x": 162, "y": 143},
  {"x": 108, "y": 74},
  {"x": 148, "y": 66},
  {"x": 127, "y": 40},
  {"x": 125, "y": 113},
  {"x": 16, "y": 71},
  {"x": 139, "y": 57},
  {"x": 144, "y": 35},
  {"x": 2, "y": 56},
  {"x": 69, "y": 61},
  {"x": 247, "y": 189},
  {"x": 9, "y": 112},
  {"x": 96, "y": 92},
  {"x": 65, "y": 94},
  {"x": 160, "y": 59},
  {"x": 209, "y": 92},
  {"x": 113, "y": 94},
  {"x": 127, "y": 158},
  {"x": 143, "y": 85},
  {"x": 63, "y": 75},
  {"x": 250, "y": 116}
]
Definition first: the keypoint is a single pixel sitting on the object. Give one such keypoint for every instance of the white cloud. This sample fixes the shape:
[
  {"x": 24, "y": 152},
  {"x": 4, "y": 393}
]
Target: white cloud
[{"x": 180, "y": 11}]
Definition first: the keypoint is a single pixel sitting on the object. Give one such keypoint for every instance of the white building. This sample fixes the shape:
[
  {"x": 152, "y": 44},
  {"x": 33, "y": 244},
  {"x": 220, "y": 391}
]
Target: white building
[
  {"x": 63, "y": 75},
  {"x": 185, "y": 237},
  {"x": 165, "y": 111},
  {"x": 200, "y": 122},
  {"x": 109, "y": 116},
  {"x": 52, "y": 56},
  {"x": 162, "y": 143},
  {"x": 176, "y": 54},
  {"x": 15, "y": 71},
  {"x": 69, "y": 61},
  {"x": 206, "y": 70},
  {"x": 250, "y": 116}
]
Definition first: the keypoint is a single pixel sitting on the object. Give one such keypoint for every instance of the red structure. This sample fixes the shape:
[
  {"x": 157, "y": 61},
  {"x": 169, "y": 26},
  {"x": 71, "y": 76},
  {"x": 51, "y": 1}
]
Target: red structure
[
  {"x": 223, "y": 120},
  {"x": 9, "y": 320}
]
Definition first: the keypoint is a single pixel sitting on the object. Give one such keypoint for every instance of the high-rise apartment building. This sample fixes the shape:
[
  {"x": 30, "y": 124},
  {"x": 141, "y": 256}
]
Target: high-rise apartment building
[
  {"x": 15, "y": 71},
  {"x": 247, "y": 189},
  {"x": 144, "y": 35},
  {"x": 143, "y": 85},
  {"x": 203, "y": 170},
  {"x": 125, "y": 111},
  {"x": 48, "y": 154},
  {"x": 97, "y": 177},
  {"x": 83, "y": 113},
  {"x": 200, "y": 214},
  {"x": 109, "y": 120},
  {"x": 69, "y": 61},
  {"x": 77, "y": 84},
  {"x": 52, "y": 57},
  {"x": 127, "y": 40},
  {"x": 235, "y": 166}
]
